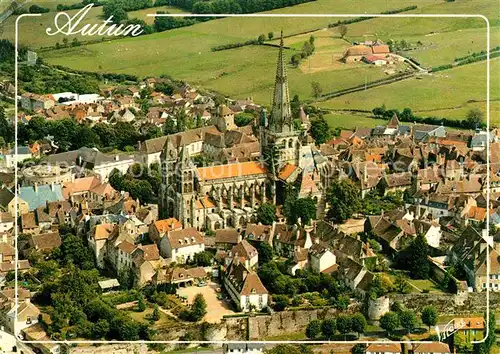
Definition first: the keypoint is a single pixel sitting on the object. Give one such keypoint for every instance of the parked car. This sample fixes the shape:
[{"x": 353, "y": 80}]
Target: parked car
[{"x": 202, "y": 284}]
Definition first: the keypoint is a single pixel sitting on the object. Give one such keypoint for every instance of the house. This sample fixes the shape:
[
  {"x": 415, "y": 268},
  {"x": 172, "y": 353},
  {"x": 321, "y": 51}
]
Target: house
[
  {"x": 322, "y": 259},
  {"x": 356, "y": 276},
  {"x": 44, "y": 243},
  {"x": 259, "y": 233},
  {"x": 108, "y": 284},
  {"x": 146, "y": 260},
  {"x": 396, "y": 182},
  {"x": 93, "y": 159},
  {"x": 182, "y": 245},
  {"x": 431, "y": 348},
  {"x": 355, "y": 249},
  {"x": 356, "y": 53},
  {"x": 88, "y": 188},
  {"x": 382, "y": 348},
  {"x": 7, "y": 252},
  {"x": 6, "y": 267},
  {"x": 40, "y": 339},
  {"x": 227, "y": 238},
  {"x": 431, "y": 230},
  {"x": 6, "y": 222},
  {"x": 159, "y": 228},
  {"x": 470, "y": 328},
  {"x": 422, "y": 132},
  {"x": 27, "y": 315},
  {"x": 224, "y": 119},
  {"x": 245, "y": 252},
  {"x": 289, "y": 238},
  {"x": 375, "y": 60},
  {"x": 11, "y": 158},
  {"x": 97, "y": 238},
  {"x": 180, "y": 276},
  {"x": 33, "y": 102},
  {"x": 7, "y": 202},
  {"x": 245, "y": 287}
]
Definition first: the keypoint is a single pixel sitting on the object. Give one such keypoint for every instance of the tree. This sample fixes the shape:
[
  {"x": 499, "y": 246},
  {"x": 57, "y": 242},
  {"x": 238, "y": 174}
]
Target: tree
[
  {"x": 389, "y": 322},
  {"x": 141, "y": 306},
  {"x": 342, "y": 30},
  {"x": 402, "y": 285},
  {"x": 344, "y": 324},
  {"x": 474, "y": 118},
  {"x": 429, "y": 316},
  {"x": 320, "y": 130},
  {"x": 261, "y": 39},
  {"x": 359, "y": 348},
  {"x": 408, "y": 320},
  {"x": 280, "y": 302},
  {"x": 65, "y": 41},
  {"x": 266, "y": 213},
  {"x": 156, "y": 313},
  {"x": 170, "y": 127},
  {"x": 115, "y": 9},
  {"x": 317, "y": 90},
  {"x": 305, "y": 209},
  {"x": 295, "y": 60},
  {"x": 100, "y": 329},
  {"x": 414, "y": 258},
  {"x": 358, "y": 323},
  {"x": 397, "y": 307},
  {"x": 242, "y": 119},
  {"x": 313, "y": 329},
  {"x": 203, "y": 259},
  {"x": 266, "y": 252},
  {"x": 270, "y": 35},
  {"x": 199, "y": 308},
  {"x": 328, "y": 328},
  {"x": 344, "y": 199}
]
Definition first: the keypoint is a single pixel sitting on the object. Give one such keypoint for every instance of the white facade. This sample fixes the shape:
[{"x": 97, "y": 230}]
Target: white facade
[
  {"x": 322, "y": 261},
  {"x": 122, "y": 165},
  {"x": 246, "y": 302},
  {"x": 179, "y": 254}
]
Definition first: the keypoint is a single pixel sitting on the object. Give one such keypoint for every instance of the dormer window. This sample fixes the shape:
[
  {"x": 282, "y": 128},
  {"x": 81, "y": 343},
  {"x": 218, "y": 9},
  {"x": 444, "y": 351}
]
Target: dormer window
[{"x": 254, "y": 291}]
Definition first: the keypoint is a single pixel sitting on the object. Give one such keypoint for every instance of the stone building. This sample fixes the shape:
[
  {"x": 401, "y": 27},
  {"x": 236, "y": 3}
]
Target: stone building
[{"x": 228, "y": 195}]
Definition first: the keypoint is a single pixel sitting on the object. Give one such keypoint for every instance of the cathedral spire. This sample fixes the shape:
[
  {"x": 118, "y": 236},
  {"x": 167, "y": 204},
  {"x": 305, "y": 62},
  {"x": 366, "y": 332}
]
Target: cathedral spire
[{"x": 281, "y": 114}]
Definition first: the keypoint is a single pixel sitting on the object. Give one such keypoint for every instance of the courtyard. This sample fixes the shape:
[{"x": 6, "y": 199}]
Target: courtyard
[{"x": 216, "y": 308}]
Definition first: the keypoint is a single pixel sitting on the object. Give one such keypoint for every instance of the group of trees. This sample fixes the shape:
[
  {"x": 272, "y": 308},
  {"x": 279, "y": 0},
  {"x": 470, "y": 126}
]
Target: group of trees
[
  {"x": 414, "y": 258},
  {"x": 307, "y": 50},
  {"x": 141, "y": 181},
  {"x": 68, "y": 135},
  {"x": 197, "y": 311},
  {"x": 118, "y": 8},
  {"x": 285, "y": 288},
  {"x": 473, "y": 119},
  {"x": 69, "y": 288},
  {"x": 407, "y": 319},
  {"x": 320, "y": 130},
  {"x": 344, "y": 198},
  {"x": 342, "y": 324}
]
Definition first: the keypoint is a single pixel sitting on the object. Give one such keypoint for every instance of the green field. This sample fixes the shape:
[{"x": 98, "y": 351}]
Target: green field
[
  {"x": 185, "y": 53},
  {"x": 440, "y": 92},
  {"x": 352, "y": 121}
]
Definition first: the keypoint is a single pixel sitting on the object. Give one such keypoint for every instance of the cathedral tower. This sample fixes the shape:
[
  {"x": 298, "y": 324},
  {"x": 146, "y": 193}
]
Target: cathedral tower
[{"x": 278, "y": 132}]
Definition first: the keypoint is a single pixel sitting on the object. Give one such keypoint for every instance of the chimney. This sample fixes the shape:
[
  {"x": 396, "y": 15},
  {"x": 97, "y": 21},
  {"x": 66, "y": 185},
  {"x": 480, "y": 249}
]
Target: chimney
[
  {"x": 117, "y": 157},
  {"x": 35, "y": 187}
]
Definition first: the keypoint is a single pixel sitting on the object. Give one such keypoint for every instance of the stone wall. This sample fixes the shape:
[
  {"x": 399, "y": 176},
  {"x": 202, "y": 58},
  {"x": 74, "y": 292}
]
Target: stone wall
[
  {"x": 449, "y": 303},
  {"x": 256, "y": 327}
]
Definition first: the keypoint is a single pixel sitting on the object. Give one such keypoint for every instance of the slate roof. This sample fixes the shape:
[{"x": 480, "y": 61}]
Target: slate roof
[{"x": 42, "y": 195}]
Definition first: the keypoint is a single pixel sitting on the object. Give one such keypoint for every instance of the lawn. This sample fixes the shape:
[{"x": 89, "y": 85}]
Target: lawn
[{"x": 441, "y": 91}]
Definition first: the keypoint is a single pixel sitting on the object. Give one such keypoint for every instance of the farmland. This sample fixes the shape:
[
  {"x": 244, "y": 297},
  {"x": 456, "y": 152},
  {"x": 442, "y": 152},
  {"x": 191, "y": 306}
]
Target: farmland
[
  {"x": 444, "y": 93},
  {"x": 185, "y": 54}
]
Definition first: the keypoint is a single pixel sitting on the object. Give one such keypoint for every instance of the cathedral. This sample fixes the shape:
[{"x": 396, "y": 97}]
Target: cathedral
[{"x": 228, "y": 195}]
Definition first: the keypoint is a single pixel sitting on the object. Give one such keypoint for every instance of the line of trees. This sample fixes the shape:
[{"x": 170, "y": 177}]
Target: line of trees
[
  {"x": 231, "y": 6},
  {"x": 359, "y": 19},
  {"x": 474, "y": 118},
  {"x": 307, "y": 50},
  {"x": 407, "y": 319},
  {"x": 342, "y": 324}
]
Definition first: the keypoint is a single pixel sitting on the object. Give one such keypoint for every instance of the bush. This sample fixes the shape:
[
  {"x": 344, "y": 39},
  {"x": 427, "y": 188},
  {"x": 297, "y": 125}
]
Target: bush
[{"x": 35, "y": 9}]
